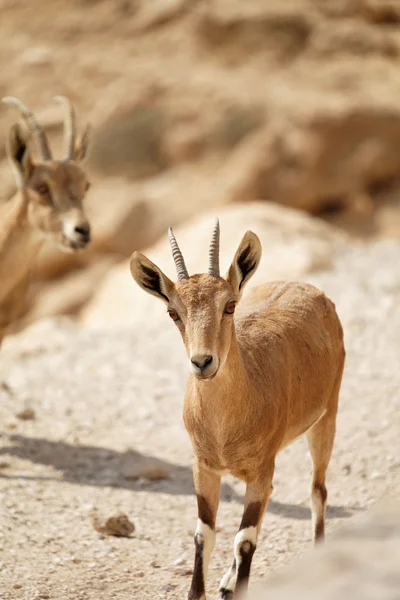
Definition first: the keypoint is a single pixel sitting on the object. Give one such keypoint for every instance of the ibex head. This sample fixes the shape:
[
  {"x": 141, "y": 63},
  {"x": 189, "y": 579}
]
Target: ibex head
[
  {"x": 52, "y": 189},
  {"x": 202, "y": 306}
]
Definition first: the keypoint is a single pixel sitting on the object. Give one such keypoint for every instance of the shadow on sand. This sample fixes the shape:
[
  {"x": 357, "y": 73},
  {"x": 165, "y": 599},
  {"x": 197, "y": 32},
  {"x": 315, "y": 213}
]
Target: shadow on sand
[{"x": 93, "y": 465}]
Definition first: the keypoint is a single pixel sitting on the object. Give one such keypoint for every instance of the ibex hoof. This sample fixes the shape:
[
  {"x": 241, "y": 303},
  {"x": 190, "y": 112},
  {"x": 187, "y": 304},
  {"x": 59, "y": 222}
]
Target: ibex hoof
[{"x": 226, "y": 594}]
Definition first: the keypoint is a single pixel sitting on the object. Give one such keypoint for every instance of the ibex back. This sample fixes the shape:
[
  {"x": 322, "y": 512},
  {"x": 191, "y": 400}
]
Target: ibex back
[
  {"x": 47, "y": 205},
  {"x": 260, "y": 377}
]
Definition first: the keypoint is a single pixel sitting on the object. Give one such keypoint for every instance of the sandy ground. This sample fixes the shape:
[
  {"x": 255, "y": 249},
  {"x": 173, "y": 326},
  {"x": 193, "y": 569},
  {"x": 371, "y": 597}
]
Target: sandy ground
[{"x": 109, "y": 404}]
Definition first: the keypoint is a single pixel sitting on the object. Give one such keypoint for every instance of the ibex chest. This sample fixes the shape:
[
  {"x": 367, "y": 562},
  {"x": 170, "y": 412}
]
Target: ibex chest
[{"x": 227, "y": 445}]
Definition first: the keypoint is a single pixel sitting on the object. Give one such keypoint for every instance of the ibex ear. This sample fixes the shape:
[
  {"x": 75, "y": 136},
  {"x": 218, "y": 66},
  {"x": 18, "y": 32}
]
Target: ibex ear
[
  {"x": 150, "y": 277},
  {"x": 245, "y": 263},
  {"x": 19, "y": 154},
  {"x": 82, "y": 145}
]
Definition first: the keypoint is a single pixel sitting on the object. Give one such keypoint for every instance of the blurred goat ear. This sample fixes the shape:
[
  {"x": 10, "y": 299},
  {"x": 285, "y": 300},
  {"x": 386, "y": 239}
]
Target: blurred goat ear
[
  {"x": 19, "y": 154},
  {"x": 150, "y": 277},
  {"x": 245, "y": 263},
  {"x": 82, "y": 144}
]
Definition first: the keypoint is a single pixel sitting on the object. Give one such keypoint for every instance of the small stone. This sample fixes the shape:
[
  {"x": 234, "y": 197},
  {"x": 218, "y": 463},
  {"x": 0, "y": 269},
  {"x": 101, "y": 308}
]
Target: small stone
[
  {"x": 6, "y": 388},
  {"x": 27, "y": 414},
  {"x": 155, "y": 565},
  {"x": 149, "y": 473},
  {"x": 169, "y": 587},
  {"x": 4, "y": 464},
  {"x": 376, "y": 475},
  {"x": 17, "y": 586},
  {"x": 118, "y": 525},
  {"x": 11, "y": 425},
  {"x": 185, "y": 572}
]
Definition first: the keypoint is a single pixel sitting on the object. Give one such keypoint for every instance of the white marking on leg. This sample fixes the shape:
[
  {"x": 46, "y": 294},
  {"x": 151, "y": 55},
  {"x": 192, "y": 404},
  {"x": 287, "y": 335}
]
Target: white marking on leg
[
  {"x": 249, "y": 534},
  {"x": 228, "y": 582},
  {"x": 207, "y": 537}
]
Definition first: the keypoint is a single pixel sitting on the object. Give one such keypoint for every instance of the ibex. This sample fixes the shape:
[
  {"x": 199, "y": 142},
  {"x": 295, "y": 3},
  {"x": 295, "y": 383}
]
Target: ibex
[
  {"x": 260, "y": 377},
  {"x": 47, "y": 205}
]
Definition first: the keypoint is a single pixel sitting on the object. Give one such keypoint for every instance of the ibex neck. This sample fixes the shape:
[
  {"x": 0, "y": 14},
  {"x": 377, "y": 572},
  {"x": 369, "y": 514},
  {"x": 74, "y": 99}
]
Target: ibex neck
[{"x": 19, "y": 244}]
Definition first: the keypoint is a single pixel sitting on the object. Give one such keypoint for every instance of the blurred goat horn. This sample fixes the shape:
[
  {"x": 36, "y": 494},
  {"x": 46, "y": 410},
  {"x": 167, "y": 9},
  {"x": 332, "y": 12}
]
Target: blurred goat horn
[
  {"x": 34, "y": 127},
  {"x": 69, "y": 127}
]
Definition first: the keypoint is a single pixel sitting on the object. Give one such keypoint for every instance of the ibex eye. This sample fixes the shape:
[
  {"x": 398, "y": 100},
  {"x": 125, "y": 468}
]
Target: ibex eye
[
  {"x": 173, "y": 314},
  {"x": 43, "y": 189},
  {"x": 230, "y": 307}
]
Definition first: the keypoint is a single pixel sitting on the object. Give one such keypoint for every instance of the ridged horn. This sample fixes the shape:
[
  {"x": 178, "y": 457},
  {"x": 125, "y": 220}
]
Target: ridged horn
[
  {"x": 178, "y": 257},
  {"x": 213, "y": 261},
  {"x": 34, "y": 127},
  {"x": 69, "y": 127}
]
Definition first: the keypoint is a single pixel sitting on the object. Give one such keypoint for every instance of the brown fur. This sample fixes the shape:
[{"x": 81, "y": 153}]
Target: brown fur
[
  {"x": 34, "y": 215},
  {"x": 275, "y": 374},
  {"x": 285, "y": 356}
]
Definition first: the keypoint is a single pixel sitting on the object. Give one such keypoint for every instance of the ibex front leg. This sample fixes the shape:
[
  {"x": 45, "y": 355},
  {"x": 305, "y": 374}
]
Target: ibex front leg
[
  {"x": 236, "y": 580},
  {"x": 207, "y": 486}
]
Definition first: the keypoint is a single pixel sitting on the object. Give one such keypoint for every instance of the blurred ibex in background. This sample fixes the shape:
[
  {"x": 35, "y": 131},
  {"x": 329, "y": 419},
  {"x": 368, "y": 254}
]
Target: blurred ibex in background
[
  {"x": 47, "y": 205},
  {"x": 257, "y": 382}
]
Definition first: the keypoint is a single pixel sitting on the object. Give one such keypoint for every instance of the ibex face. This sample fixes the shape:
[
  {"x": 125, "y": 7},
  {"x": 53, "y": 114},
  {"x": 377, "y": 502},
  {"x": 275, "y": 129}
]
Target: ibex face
[
  {"x": 52, "y": 190},
  {"x": 202, "y": 306}
]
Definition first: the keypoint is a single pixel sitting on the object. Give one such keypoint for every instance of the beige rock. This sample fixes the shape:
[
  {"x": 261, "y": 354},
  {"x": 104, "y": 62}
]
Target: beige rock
[
  {"x": 323, "y": 165},
  {"x": 66, "y": 295},
  {"x": 293, "y": 244},
  {"x": 360, "y": 562},
  {"x": 130, "y": 141},
  {"x": 381, "y": 11},
  {"x": 277, "y": 29}
]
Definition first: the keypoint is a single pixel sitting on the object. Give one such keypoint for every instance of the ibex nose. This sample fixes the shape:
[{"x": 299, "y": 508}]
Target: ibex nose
[
  {"x": 202, "y": 362},
  {"x": 83, "y": 231}
]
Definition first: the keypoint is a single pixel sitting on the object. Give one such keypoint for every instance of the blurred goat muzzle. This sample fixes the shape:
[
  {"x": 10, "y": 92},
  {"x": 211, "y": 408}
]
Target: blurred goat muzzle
[{"x": 76, "y": 236}]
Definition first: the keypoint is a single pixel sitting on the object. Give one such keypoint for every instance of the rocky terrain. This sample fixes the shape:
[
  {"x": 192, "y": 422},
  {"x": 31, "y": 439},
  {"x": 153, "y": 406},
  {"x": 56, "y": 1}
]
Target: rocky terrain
[{"x": 279, "y": 117}]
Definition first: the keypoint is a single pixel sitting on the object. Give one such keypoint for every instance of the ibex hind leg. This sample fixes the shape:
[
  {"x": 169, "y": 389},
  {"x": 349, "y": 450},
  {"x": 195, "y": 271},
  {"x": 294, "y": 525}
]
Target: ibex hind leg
[{"x": 320, "y": 440}]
